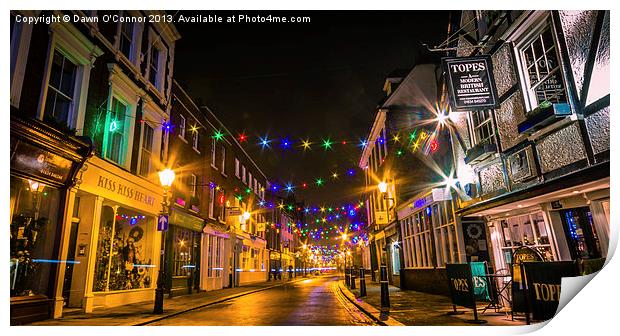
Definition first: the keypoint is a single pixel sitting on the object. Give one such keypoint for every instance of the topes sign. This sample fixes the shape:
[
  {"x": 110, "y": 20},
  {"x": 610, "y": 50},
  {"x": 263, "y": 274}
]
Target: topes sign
[
  {"x": 544, "y": 280},
  {"x": 460, "y": 283},
  {"x": 470, "y": 82}
]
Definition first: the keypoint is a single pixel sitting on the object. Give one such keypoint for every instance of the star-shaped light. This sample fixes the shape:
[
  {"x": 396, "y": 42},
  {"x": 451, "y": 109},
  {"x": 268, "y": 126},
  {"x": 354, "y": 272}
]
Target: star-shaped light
[
  {"x": 289, "y": 188},
  {"x": 334, "y": 175},
  {"x": 305, "y": 144},
  {"x": 264, "y": 142},
  {"x": 218, "y": 135},
  {"x": 327, "y": 144},
  {"x": 319, "y": 182}
]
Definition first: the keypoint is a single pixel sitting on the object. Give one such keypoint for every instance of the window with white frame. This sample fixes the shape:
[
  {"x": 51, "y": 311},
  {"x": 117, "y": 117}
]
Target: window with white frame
[
  {"x": 125, "y": 39},
  {"x": 211, "y": 247},
  {"x": 196, "y": 140},
  {"x": 250, "y": 180},
  {"x": 541, "y": 70},
  {"x": 223, "y": 160},
  {"x": 237, "y": 168},
  {"x": 211, "y": 202},
  {"x": 156, "y": 66},
  {"x": 146, "y": 152},
  {"x": 213, "y": 153},
  {"x": 117, "y": 131},
  {"x": 181, "y": 126},
  {"x": 61, "y": 89},
  {"x": 446, "y": 243},
  {"x": 243, "y": 178},
  {"x": 417, "y": 237},
  {"x": 482, "y": 127},
  {"x": 255, "y": 186}
]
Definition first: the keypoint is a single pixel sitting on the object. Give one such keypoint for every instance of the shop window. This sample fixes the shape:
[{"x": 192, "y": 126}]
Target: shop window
[
  {"x": 34, "y": 221},
  {"x": 446, "y": 246},
  {"x": 59, "y": 105},
  {"x": 117, "y": 132},
  {"x": 146, "y": 152},
  {"x": 182, "y": 243},
  {"x": 395, "y": 259},
  {"x": 124, "y": 250},
  {"x": 582, "y": 239},
  {"x": 419, "y": 239},
  {"x": 218, "y": 257},
  {"x": 210, "y": 249},
  {"x": 541, "y": 69},
  {"x": 526, "y": 230}
]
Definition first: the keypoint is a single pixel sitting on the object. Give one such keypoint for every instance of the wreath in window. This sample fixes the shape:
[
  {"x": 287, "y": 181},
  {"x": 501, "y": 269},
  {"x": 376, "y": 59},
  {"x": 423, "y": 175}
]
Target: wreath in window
[
  {"x": 136, "y": 233},
  {"x": 474, "y": 231}
]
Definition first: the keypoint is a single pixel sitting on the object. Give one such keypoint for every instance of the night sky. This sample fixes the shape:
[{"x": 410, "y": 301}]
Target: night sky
[{"x": 304, "y": 80}]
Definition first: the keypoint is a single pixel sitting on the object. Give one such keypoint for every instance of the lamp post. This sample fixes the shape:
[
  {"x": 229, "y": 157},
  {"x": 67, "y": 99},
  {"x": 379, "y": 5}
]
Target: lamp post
[
  {"x": 166, "y": 177},
  {"x": 385, "y": 294}
]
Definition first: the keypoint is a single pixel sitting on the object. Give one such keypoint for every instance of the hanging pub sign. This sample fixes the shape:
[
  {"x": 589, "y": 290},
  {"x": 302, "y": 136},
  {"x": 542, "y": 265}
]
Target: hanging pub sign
[
  {"x": 544, "y": 280},
  {"x": 470, "y": 82}
]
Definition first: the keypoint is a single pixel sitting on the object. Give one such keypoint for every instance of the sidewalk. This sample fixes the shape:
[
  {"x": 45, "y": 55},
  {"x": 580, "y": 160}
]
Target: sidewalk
[
  {"x": 413, "y": 308},
  {"x": 142, "y": 313}
]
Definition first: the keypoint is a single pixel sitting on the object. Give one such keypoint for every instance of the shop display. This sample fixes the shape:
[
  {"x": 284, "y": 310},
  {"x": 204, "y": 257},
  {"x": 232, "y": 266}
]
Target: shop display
[{"x": 121, "y": 262}]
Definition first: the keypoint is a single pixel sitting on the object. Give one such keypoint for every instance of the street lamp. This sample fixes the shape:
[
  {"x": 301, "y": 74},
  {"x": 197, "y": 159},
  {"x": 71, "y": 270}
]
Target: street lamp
[{"x": 166, "y": 177}]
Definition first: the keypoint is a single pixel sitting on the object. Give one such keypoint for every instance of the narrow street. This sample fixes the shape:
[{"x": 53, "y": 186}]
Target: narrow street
[{"x": 315, "y": 301}]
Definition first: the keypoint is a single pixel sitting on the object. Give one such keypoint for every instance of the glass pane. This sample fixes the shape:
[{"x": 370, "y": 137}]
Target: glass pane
[{"x": 34, "y": 213}]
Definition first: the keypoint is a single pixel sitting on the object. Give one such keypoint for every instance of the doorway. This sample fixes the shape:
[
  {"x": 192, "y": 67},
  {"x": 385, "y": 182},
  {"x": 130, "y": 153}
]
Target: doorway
[{"x": 581, "y": 236}]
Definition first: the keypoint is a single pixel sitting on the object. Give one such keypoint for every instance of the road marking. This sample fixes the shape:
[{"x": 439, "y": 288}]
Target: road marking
[{"x": 358, "y": 316}]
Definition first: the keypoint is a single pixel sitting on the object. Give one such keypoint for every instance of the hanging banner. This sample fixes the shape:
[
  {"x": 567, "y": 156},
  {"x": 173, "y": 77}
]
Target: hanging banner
[
  {"x": 470, "y": 82},
  {"x": 461, "y": 288},
  {"x": 544, "y": 281},
  {"x": 479, "y": 279}
]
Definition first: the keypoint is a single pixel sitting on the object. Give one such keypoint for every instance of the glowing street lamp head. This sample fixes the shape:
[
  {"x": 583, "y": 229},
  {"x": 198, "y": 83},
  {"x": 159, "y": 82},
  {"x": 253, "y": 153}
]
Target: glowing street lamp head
[
  {"x": 166, "y": 177},
  {"x": 383, "y": 187},
  {"x": 36, "y": 186},
  {"x": 246, "y": 215},
  {"x": 344, "y": 236}
]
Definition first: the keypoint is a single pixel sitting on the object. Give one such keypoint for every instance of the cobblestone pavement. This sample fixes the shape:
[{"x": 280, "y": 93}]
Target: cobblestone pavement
[{"x": 421, "y": 309}]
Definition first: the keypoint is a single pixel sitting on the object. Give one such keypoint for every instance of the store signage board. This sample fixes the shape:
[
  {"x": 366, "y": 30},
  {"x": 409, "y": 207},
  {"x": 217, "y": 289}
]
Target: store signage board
[
  {"x": 470, "y": 82},
  {"x": 479, "y": 280},
  {"x": 544, "y": 280},
  {"x": 40, "y": 163},
  {"x": 460, "y": 284},
  {"x": 381, "y": 217}
]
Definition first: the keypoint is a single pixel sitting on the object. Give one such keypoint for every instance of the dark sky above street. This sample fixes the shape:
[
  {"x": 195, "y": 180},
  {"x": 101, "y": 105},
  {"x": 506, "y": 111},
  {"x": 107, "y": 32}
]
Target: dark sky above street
[{"x": 303, "y": 80}]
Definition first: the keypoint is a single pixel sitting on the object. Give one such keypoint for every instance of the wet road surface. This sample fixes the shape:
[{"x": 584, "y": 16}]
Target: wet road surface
[{"x": 311, "y": 302}]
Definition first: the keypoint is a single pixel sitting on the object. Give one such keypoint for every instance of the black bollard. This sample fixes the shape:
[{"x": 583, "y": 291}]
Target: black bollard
[
  {"x": 362, "y": 282},
  {"x": 347, "y": 279},
  {"x": 385, "y": 294},
  {"x": 352, "y": 272},
  {"x": 373, "y": 278}
]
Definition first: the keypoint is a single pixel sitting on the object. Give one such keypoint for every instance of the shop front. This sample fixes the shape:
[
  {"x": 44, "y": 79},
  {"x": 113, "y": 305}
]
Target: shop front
[
  {"x": 215, "y": 251},
  {"x": 114, "y": 240},
  {"x": 43, "y": 166},
  {"x": 569, "y": 224},
  {"x": 183, "y": 245},
  {"x": 431, "y": 238},
  {"x": 252, "y": 259}
]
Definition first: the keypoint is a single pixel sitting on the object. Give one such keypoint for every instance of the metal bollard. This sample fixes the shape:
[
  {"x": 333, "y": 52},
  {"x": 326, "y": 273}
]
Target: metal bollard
[
  {"x": 385, "y": 294},
  {"x": 373, "y": 277},
  {"x": 347, "y": 279},
  {"x": 352, "y": 271},
  {"x": 362, "y": 282}
]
